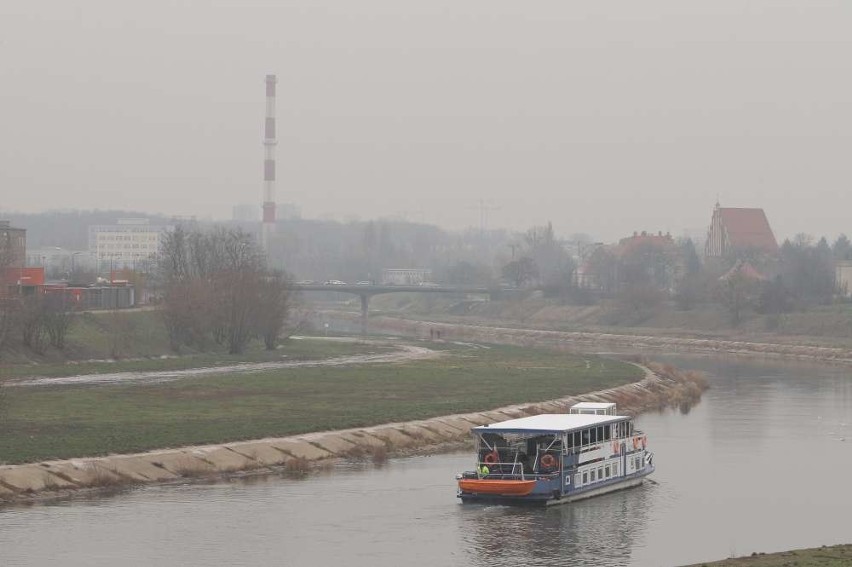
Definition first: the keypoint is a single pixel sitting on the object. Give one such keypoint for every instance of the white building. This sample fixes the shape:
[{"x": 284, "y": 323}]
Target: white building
[
  {"x": 843, "y": 278},
  {"x": 132, "y": 243},
  {"x": 406, "y": 276}
]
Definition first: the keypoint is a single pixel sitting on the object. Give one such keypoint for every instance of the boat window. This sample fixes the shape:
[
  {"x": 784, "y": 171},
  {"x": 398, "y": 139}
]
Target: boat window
[
  {"x": 600, "y": 473},
  {"x": 567, "y": 479},
  {"x": 585, "y": 478},
  {"x": 577, "y": 439},
  {"x": 586, "y": 437},
  {"x": 593, "y": 475},
  {"x": 606, "y": 471},
  {"x": 607, "y": 430},
  {"x": 614, "y": 469}
]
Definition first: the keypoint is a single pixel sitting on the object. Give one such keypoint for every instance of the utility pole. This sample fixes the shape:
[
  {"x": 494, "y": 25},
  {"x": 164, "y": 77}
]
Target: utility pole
[
  {"x": 484, "y": 207},
  {"x": 513, "y": 246}
]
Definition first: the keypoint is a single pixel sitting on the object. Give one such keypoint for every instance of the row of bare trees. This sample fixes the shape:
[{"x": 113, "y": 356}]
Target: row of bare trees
[
  {"x": 217, "y": 289},
  {"x": 39, "y": 321}
]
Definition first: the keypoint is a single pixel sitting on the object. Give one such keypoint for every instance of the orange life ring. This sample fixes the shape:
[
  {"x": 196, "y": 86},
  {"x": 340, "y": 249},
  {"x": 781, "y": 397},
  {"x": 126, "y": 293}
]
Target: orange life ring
[
  {"x": 491, "y": 458},
  {"x": 548, "y": 461}
]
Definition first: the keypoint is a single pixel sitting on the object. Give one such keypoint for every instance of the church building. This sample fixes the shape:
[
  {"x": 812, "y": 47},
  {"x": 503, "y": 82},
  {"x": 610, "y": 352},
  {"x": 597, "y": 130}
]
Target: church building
[{"x": 739, "y": 231}]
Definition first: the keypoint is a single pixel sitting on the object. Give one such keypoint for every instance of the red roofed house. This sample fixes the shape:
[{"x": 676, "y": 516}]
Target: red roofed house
[
  {"x": 739, "y": 231},
  {"x": 743, "y": 269},
  {"x": 643, "y": 259}
]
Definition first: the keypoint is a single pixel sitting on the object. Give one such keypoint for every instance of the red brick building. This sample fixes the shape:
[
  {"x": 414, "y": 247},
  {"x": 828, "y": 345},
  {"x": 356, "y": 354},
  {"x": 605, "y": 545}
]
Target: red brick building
[
  {"x": 739, "y": 231},
  {"x": 13, "y": 255}
]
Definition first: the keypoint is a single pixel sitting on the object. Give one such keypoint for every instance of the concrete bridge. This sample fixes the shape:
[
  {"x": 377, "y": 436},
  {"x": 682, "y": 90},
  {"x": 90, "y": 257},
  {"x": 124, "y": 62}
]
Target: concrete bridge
[{"x": 365, "y": 292}]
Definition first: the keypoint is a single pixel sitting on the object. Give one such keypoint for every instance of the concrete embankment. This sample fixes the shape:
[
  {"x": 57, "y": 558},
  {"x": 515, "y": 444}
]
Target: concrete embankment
[
  {"x": 572, "y": 340},
  {"x": 662, "y": 386}
]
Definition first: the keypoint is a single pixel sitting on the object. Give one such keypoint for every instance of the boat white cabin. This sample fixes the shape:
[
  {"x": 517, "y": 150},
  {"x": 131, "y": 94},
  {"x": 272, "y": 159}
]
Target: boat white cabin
[
  {"x": 557, "y": 458},
  {"x": 593, "y": 408}
]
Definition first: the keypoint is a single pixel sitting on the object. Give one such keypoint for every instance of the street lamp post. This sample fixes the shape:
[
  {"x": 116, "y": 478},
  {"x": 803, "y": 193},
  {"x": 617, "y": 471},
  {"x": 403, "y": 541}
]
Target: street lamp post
[{"x": 74, "y": 261}]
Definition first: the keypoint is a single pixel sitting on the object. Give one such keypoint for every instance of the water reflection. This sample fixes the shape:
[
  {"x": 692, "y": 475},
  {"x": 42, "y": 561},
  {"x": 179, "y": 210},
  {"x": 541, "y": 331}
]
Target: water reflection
[{"x": 598, "y": 531}]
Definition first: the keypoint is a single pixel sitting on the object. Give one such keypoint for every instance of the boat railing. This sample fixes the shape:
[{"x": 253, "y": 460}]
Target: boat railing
[
  {"x": 588, "y": 447},
  {"x": 497, "y": 471}
]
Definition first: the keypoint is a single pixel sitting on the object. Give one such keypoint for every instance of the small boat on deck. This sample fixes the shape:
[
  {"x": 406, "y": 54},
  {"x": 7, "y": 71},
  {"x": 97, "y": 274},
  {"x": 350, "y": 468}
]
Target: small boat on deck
[{"x": 556, "y": 458}]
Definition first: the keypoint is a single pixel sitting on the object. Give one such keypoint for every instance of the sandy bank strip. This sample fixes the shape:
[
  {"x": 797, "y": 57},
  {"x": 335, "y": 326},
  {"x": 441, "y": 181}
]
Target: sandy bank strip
[
  {"x": 572, "y": 339},
  {"x": 35, "y": 481}
]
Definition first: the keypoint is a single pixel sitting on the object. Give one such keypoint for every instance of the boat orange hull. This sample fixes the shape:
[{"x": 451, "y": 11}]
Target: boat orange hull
[{"x": 497, "y": 487}]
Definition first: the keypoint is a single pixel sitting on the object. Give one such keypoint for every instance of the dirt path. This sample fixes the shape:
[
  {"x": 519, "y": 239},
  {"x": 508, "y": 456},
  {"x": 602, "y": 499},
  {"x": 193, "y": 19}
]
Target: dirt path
[{"x": 403, "y": 353}]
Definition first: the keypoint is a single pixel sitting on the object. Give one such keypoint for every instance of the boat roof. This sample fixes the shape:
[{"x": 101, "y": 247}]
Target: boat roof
[
  {"x": 593, "y": 405},
  {"x": 549, "y": 423}
]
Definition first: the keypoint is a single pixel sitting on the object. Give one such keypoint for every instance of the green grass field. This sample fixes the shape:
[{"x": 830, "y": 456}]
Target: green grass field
[
  {"x": 63, "y": 422},
  {"x": 828, "y": 556}
]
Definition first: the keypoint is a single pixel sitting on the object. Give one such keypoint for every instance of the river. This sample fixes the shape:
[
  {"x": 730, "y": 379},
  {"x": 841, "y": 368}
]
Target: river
[{"x": 761, "y": 464}]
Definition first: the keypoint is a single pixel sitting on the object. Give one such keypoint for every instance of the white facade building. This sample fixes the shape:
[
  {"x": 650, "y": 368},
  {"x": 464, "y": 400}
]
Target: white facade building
[
  {"x": 843, "y": 278},
  {"x": 407, "y": 276},
  {"x": 132, "y": 243}
]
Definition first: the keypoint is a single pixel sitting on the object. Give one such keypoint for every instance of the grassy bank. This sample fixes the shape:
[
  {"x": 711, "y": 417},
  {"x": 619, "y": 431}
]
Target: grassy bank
[
  {"x": 826, "y": 324},
  {"x": 100, "y": 335},
  {"x": 826, "y": 556},
  {"x": 65, "y": 422}
]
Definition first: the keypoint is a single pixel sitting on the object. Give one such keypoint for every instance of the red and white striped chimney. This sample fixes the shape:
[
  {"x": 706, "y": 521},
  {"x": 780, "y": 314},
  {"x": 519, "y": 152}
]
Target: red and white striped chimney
[{"x": 269, "y": 143}]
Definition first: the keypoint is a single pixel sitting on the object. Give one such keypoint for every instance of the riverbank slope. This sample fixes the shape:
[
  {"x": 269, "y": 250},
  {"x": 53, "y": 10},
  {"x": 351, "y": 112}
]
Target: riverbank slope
[
  {"x": 825, "y": 556},
  {"x": 661, "y": 386},
  {"x": 570, "y": 341}
]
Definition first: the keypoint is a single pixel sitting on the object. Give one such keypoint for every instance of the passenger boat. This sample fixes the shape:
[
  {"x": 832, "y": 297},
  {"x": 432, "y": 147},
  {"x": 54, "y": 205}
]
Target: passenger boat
[{"x": 556, "y": 458}]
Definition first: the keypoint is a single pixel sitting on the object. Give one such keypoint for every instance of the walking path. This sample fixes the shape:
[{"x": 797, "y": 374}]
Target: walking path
[{"x": 403, "y": 353}]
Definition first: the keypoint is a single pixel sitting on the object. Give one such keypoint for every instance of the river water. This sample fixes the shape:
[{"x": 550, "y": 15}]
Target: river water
[{"x": 763, "y": 463}]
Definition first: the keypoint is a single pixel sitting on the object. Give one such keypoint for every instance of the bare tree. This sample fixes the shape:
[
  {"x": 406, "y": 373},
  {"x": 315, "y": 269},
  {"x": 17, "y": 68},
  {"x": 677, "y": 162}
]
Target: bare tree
[
  {"x": 214, "y": 283},
  {"x": 31, "y": 316},
  {"x": 555, "y": 265},
  {"x": 7, "y": 320},
  {"x": 57, "y": 320},
  {"x": 187, "y": 313},
  {"x": 274, "y": 303},
  {"x": 738, "y": 293},
  {"x": 521, "y": 271}
]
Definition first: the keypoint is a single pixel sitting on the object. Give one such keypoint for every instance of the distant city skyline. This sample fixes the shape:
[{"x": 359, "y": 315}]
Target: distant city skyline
[{"x": 601, "y": 118}]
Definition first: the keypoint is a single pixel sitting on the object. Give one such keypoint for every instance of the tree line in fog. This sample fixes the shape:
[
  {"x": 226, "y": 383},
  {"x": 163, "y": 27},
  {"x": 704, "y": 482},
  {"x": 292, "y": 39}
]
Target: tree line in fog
[{"x": 216, "y": 288}]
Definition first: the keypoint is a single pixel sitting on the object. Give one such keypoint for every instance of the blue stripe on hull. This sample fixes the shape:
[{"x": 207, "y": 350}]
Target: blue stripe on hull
[{"x": 548, "y": 499}]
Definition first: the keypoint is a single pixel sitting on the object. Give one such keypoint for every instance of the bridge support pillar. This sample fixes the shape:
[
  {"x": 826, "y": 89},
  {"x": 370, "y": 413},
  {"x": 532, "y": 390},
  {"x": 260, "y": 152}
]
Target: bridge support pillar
[{"x": 365, "y": 308}]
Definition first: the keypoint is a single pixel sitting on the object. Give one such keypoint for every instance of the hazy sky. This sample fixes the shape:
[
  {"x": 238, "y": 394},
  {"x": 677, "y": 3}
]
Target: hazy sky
[{"x": 603, "y": 117}]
